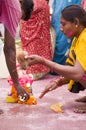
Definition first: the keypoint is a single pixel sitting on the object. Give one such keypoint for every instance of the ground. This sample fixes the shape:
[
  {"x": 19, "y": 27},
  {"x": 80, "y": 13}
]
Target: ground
[{"x": 40, "y": 116}]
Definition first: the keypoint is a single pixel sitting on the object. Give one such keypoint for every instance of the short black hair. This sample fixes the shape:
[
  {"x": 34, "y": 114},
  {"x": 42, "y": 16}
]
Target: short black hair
[{"x": 27, "y": 7}]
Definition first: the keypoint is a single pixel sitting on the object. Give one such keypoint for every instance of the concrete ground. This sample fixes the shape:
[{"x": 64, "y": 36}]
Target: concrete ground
[{"x": 40, "y": 116}]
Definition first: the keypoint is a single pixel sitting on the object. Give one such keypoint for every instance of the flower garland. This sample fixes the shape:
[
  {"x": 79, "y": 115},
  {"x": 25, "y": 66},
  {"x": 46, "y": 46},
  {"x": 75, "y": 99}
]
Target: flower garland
[{"x": 25, "y": 81}]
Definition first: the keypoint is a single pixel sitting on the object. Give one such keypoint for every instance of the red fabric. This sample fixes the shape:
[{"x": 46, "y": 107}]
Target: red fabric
[{"x": 35, "y": 35}]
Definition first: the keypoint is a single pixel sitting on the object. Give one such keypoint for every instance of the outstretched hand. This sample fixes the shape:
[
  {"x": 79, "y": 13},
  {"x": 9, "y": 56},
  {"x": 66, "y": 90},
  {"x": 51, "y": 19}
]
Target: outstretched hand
[
  {"x": 33, "y": 59},
  {"x": 50, "y": 87},
  {"x": 53, "y": 85}
]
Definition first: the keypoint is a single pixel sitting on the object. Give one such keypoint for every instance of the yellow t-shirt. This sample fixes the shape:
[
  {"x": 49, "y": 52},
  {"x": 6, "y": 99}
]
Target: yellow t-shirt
[{"x": 77, "y": 50}]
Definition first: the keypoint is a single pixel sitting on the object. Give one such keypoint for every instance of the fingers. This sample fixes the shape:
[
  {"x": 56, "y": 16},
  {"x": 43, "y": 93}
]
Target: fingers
[
  {"x": 44, "y": 92},
  {"x": 22, "y": 94},
  {"x": 29, "y": 57},
  {"x": 51, "y": 87},
  {"x": 26, "y": 57},
  {"x": 22, "y": 98},
  {"x": 29, "y": 60},
  {"x": 27, "y": 96}
]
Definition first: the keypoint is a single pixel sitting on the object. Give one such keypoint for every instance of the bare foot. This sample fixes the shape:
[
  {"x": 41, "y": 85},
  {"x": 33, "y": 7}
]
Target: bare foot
[
  {"x": 1, "y": 112},
  {"x": 81, "y": 109},
  {"x": 82, "y": 99}
]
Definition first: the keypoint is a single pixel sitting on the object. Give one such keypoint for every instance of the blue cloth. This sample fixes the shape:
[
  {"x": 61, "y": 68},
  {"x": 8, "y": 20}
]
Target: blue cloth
[{"x": 62, "y": 43}]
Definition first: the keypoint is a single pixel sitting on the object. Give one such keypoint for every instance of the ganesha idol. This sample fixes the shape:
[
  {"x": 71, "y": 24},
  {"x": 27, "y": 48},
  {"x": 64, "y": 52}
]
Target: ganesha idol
[{"x": 25, "y": 81}]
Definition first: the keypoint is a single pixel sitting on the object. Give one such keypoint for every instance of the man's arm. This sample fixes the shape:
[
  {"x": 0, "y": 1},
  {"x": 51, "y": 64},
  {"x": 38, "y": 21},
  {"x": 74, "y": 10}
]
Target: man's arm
[{"x": 10, "y": 55}]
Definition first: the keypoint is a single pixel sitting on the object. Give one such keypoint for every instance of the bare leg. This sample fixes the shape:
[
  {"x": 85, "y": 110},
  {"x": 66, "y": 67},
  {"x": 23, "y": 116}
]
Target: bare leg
[
  {"x": 81, "y": 109},
  {"x": 83, "y": 99}
]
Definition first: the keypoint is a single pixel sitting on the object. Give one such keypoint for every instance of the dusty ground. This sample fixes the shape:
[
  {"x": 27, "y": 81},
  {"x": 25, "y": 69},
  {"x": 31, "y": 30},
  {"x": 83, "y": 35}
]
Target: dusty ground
[{"x": 40, "y": 116}]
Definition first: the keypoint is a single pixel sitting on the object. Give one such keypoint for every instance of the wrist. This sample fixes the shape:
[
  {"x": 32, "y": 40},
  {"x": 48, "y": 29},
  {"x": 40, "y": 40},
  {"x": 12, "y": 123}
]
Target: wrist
[
  {"x": 16, "y": 85},
  {"x": 59, "y": 81},
  {"x": 43, "y": 60}
]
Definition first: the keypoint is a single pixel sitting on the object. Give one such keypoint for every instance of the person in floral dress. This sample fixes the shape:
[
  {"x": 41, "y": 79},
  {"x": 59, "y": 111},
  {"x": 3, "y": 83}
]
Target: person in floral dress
[{"x": 35, "y": 37}]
